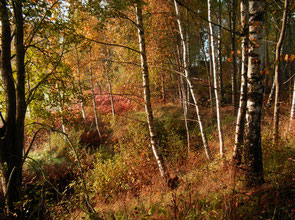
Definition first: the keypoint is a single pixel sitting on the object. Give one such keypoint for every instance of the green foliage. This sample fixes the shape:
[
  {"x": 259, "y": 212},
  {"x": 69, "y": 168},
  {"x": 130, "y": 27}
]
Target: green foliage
[{"x": 109, "y": 177}]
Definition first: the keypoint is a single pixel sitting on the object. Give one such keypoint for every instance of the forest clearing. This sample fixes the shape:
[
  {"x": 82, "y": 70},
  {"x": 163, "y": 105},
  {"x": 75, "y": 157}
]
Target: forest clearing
[{"x": 147, "y": 109}]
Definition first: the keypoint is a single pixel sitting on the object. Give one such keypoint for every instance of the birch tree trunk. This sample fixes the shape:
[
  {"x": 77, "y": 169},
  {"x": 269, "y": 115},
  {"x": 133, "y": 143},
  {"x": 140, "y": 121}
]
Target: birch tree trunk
[
  {"x": 163, "y": 88},
  {"x": 107, "y": 67},
  {"x": 266, "y": 59},
  {"x": 233, "y": 42},
  {"x": 80, "y": 86},
  {"x": 189, "y": 83},
  {"x": 252, "y": 145},
  {"x": 146, "y": 90},
  {"x": 292, "y": 114},
  {"x": 93, "y": 96},
  {"x": 271, "y": 94},
  {"x": 218, "y": 112},
  {"x": 237, "y": 155},
  {"x": 60, "y": 108},
  {"x": 183, "y": 99},
  {"x": 185, "y": 112},
  {"x": 208, "y": 69},
  {"x": 111, "y": 95},
  {"x": 277, "y": 77},
  {"x": 219, "y": 43}
]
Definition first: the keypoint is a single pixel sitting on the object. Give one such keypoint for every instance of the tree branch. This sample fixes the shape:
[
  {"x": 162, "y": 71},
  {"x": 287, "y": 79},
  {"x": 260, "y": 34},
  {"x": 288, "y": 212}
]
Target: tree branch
[{"x": 205, "y": 19}]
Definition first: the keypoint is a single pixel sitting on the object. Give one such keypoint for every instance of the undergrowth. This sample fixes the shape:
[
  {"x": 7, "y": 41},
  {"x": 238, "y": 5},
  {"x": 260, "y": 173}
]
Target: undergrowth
[{"x": 122, "y": 177}]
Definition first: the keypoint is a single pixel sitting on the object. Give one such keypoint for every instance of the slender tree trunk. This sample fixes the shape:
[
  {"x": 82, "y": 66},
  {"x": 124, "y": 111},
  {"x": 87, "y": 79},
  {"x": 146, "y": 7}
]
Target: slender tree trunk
[
  {"x": 183, "y": 98},
  {"x": 233, "y": 42},
  {"x": 163, "y": 88},
  {"x": 208, "y": 69},
  {"x": 215, "y": 83},
  {"x": 63, "y": 127},
  {"x": 93, "y": 96},
  {"x": 237, "y": 156},
  {"x": 252, "y": 144},
  {"x": 266, "y": 60},
  {"x": 271, "y": 94},
  {"x": 219, "y": 43},
  {"x": 185, "y": 112},
  {"x": 290, "y": 46},
  {"x": 277, "y": 77},
  {"x": 107, "y": 67},
  {"x": 189, "y": 83},
  {"x": 146, "y": 90},
  {"x": 292, "y": 114},
  {"x": 111, "y": 97},
  {"x": 80, "y": 87},
  {"x": 178, "y": 65},
  {"x": 60, "y": 108}
]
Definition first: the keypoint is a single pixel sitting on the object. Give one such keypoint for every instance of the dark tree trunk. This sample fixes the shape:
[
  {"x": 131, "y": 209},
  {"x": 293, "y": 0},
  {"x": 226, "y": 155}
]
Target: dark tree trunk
[
  {"x": 233, "y": 42},
  {"x": 277, "y": 76},
  {"x": 12, "y": 140}
]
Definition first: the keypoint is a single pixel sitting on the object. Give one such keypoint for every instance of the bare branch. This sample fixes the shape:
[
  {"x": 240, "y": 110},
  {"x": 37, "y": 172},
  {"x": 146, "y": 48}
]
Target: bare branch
[
  {"x": 205, "y": 19},
  {"x": 109, "y": 44}
]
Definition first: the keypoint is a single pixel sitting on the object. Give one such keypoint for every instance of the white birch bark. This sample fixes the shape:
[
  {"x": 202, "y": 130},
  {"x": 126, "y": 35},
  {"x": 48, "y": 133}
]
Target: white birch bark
[
  {"x": 107, "y": 68},
  {"x": 111, "y": 96},
  {"x": 277, "y": 78},
  {"x": 292, "y": 114},
  {"x": 234, "y": 73},
  {"x": 271, "y": 94},
  {"x": 208, "y": 69},
  {"x": 93, "y": 96},
  {"x": 189, "y": 83},
  {"x": 185, "y": 112},
  {"x": 183, "y": 99},
  {"x": 60, "y": 108},
  {"x": 237, "y": 155},
  {"x": 218, "y": 112},
  {"x": 252, "y": 143},
  {"x": 80, "y": 87},
  {"x": 146, "y": 90},
  {"x": 219, "y": 43}
]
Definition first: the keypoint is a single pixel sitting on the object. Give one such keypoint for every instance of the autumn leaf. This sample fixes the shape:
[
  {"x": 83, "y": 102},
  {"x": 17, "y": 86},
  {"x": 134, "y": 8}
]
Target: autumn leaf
[
  {"x": 292, "y": 58},
  {"x": 266, "y": 71}
]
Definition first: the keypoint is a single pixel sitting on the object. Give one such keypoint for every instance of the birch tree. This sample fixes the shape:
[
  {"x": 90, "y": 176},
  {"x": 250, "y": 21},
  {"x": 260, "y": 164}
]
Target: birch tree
[
  {"x": 93, "y": 95},
  {"x": 80, "y": 86},
  {"x": 243, "y": 96},
  {"x": 233, "y": 52},
  {"x": 219, "y": 43},
  {"x": 218, "y": 112},
  {"x": 107, "y": 66},
  {"x": 292, "y": 114},
  {"x": 277, "y": 76},
  {"x": 252, "y": 145},
  {"x": 190, "y": 85},
  {"x": 146, "y": 92}
]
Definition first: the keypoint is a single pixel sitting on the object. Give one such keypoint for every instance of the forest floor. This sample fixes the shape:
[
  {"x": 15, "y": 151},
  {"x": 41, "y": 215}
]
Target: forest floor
[{"x": 121, "y": 179}]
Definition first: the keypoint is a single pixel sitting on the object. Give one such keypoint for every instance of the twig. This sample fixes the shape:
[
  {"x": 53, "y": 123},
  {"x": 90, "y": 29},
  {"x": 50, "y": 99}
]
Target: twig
[
  {"x": 88, "y": 204},
  {"x": 2, "y": 118}
]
